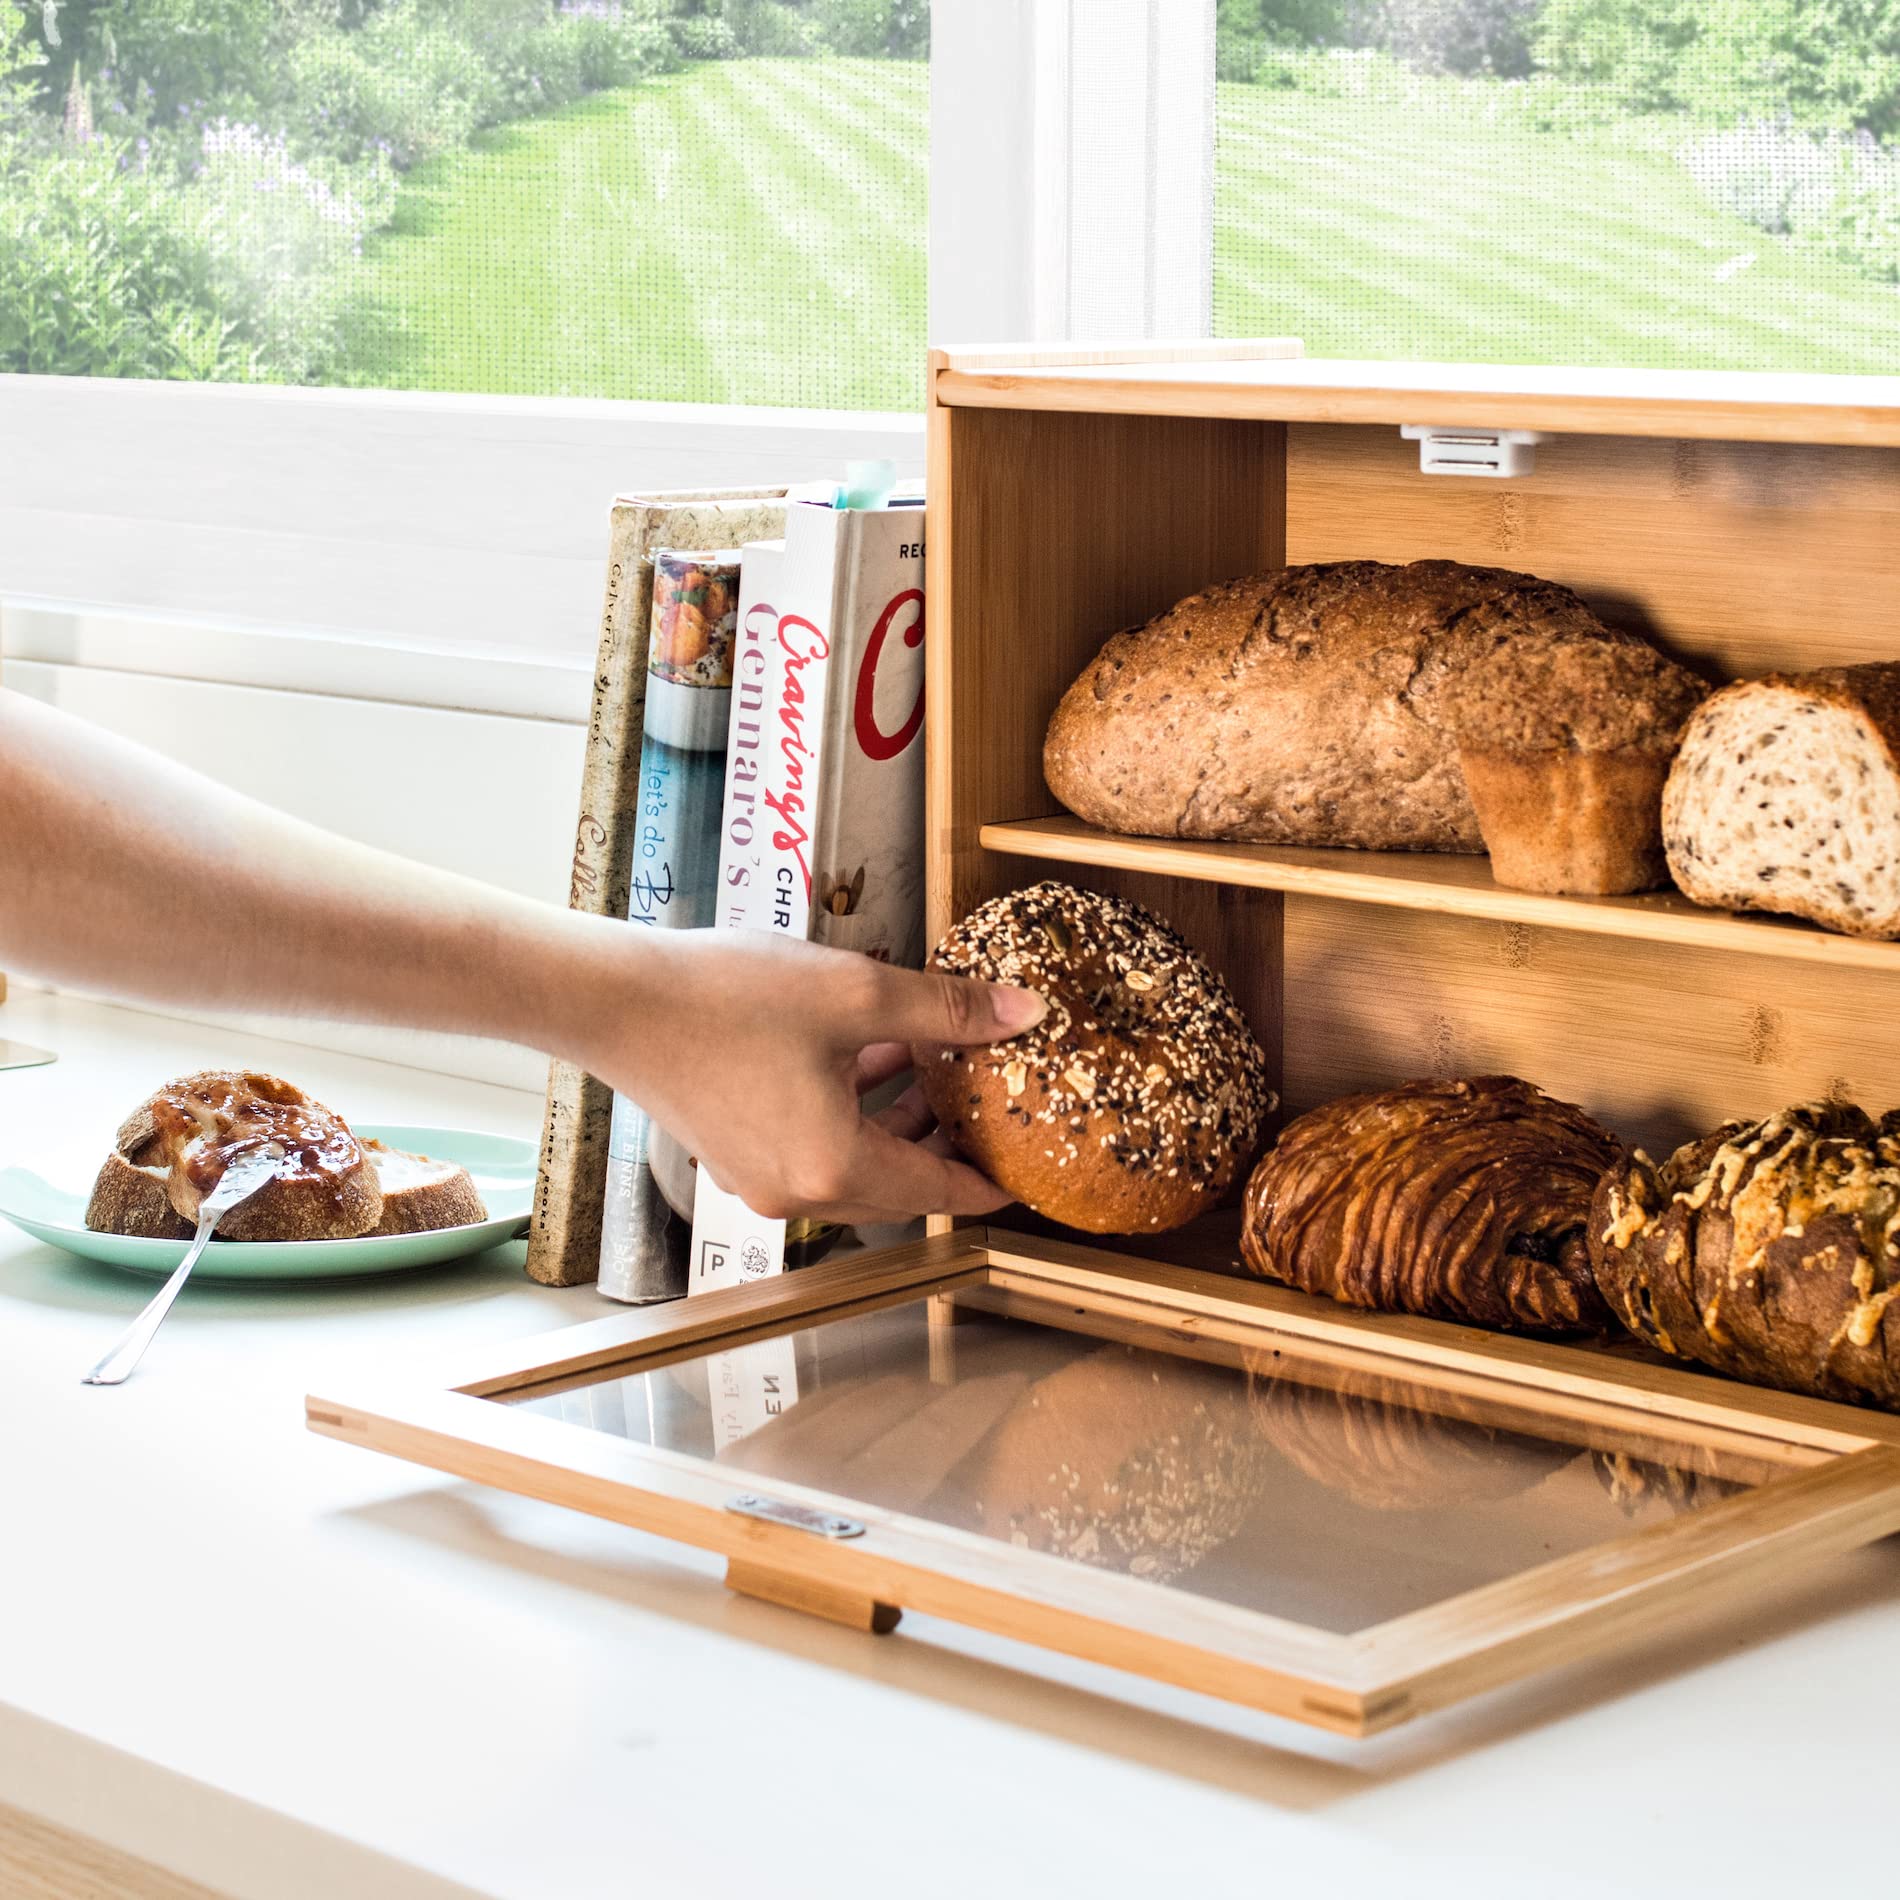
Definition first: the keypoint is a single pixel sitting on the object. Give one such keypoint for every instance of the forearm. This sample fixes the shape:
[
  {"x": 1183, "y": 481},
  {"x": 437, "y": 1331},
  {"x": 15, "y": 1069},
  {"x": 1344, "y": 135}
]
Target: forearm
[
  {"x": 127, "y": 875},
  {"x": 130, "y": 876}
]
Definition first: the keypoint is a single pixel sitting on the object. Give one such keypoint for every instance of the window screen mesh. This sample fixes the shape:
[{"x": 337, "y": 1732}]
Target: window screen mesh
[
  {"x": 682, "y": 200},
  {"x": 1660, "y": 183}
]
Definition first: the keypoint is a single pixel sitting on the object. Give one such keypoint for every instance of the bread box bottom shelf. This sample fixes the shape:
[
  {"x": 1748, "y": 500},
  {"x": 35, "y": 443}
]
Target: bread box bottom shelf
[{"x": 1342, "y": 1517}]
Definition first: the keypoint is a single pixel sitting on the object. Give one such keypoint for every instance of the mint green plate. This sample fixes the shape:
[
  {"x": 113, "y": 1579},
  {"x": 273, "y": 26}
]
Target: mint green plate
[{"x": 503, "y": 1169}]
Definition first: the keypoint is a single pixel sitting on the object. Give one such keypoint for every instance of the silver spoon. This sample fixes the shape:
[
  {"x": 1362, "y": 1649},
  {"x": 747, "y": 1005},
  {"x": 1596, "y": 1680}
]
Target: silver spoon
[{"x": 241, "y": 1179}]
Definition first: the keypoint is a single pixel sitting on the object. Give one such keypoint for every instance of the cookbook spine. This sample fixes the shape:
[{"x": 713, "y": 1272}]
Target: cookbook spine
[
  {"x": 842, "y": 786},
  {"x": 647, "y": 1208},
  {"x": 564, "y": 1236}
]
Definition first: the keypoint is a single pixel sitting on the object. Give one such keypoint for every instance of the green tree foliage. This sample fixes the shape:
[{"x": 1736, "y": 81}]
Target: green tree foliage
[
  {"x": 1452, "y": 36},
  {"x": 1826, "y": 63}
]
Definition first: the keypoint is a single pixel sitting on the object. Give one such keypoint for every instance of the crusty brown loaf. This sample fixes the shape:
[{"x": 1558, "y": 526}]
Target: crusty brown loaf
[
  {"x": 128, "y": 1197},
  {"x": 1307, "y": 706},
  {"x": 421, "y": 1195},
  {"x": 326, "y": 1188},
  {"x": 1459, "y": 1200},
  {"x": 1136, "y": 1102},
  {"x": 1765, "y": 1250},
  {"x": 1785, "y": 796}
]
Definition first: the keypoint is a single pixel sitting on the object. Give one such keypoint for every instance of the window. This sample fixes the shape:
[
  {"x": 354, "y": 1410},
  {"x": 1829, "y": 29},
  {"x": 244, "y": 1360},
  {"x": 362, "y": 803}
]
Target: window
[
  {"x": 667, "y": 200},
  {"x": 1708, "y": 184}
]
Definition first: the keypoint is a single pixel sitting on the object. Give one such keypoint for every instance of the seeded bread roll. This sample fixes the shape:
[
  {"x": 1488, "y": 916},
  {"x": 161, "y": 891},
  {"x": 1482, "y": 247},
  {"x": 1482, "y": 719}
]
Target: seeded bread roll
[
  {"x": 1458, "y": 1200},
  {"x": 1308, "y": 706},
  {"x": 1766, "y": 1250},
  {"x": 1124, "y": 1462},
  {"x": 1785, "y": 796},
  {"x": 1135, "y": 1103}
]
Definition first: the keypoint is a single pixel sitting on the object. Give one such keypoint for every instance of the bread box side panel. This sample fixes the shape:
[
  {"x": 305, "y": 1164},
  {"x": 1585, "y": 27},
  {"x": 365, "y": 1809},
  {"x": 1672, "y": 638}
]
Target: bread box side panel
[
  {"x": 1738, "y": 557},
  {"x": 1047, "y": 533},
  {"x": 1660, "y": 1041}
]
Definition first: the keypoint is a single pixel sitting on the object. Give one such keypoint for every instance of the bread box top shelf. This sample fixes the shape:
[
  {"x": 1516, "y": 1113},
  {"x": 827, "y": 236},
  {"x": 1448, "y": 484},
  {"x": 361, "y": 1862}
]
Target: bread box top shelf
[{"x": 1270, "y": 381}]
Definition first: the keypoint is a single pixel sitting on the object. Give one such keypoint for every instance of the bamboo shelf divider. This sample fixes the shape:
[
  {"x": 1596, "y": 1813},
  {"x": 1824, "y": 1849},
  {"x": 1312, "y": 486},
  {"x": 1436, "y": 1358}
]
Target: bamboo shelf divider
[{"x": 1434, "y": 881}]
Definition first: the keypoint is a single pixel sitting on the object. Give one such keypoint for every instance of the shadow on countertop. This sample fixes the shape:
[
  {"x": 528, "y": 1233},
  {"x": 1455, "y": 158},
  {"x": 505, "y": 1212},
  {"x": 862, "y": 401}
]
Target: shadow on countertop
[{"x": 1265, "y": 1758}]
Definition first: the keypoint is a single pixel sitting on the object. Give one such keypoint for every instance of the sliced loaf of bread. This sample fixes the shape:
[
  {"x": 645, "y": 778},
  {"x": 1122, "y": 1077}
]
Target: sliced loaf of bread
[{"x": 1785, "y": 796}]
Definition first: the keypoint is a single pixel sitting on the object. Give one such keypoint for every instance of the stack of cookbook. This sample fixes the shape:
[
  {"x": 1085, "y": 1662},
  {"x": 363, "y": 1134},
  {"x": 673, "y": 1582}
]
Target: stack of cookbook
[{"x": 754, "y": 761}]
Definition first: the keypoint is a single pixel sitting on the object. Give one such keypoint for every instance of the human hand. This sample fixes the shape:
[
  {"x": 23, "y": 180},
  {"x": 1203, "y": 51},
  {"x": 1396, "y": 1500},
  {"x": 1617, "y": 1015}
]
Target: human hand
[{"x": 754, "y": 1054}]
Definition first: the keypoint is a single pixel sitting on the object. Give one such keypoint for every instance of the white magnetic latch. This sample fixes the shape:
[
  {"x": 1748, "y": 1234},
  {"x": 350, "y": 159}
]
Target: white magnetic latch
[{"x": 1473, "y": 451}]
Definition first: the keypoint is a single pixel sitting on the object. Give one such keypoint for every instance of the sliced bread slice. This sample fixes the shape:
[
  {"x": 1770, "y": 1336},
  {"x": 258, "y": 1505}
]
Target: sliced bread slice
[
  {"x": 1785, "y": 796},
  {"x": 128, "y": 1197},
  {"x": 420, "y": 1195}
]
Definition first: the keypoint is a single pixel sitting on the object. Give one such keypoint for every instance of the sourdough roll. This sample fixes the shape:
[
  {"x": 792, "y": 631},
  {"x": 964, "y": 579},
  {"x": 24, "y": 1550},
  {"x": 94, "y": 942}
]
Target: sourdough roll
[
  {"x": 1565, "y": 747},
  {"x": 324, "y": 1186},
  {"x": 1136, "y": 1101},
  {"x": 1785, "y": 796}
]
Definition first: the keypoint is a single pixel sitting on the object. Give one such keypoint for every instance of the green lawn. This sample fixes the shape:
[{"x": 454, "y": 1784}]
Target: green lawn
[
  {"x": 753, "y": 232},
  {"x": 748, "y": 232},
  {"x": 1379, "y": 230}
]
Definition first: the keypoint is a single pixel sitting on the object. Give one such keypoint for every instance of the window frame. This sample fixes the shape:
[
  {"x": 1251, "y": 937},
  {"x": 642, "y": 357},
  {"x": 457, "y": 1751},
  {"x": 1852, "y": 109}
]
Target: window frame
[{"x": 446, "y": 549}]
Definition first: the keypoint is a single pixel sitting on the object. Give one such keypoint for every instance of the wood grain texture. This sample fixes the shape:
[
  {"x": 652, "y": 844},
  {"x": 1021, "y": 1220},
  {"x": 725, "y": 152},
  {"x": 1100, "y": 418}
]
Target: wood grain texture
[
  {"x": 1440, "y": 882},
  {"x": 1662, "y": 1042},
  {"x": 793, "y": 1591},
  {"x": 1739, "y": 558},
  {"x": 1351, "y": 1683},
  {"x": 1047, "y": 534},
  {"x": 991, "y": 356},
  {"x": 39, "y": 1861},
  {"x": 1570, "y": 1609},
  {"x": 1713, "y": 405}
]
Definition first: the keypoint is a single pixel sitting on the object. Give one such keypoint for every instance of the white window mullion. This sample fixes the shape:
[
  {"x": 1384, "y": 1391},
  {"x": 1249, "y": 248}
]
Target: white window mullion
[{"x": 1072, "y": 170}]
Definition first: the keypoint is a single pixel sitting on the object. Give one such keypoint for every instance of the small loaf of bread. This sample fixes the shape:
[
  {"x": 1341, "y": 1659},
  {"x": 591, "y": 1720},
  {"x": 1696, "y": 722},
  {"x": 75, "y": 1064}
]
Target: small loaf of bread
[
  {"x": 1766, "y": 1250},
  {"x": 1785, "y": 796},
  {"x": 1457, "y": 1200},
  {"x": 1310, "y": 706}
]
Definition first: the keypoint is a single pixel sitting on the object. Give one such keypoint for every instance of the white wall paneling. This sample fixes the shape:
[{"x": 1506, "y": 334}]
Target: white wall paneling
[
  {"x": 455, "y": 521},
  {"x": 523, "y": 684}
]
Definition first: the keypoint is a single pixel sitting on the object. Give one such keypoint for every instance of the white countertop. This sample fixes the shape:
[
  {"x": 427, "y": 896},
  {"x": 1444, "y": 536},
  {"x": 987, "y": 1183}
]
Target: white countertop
[{"x": 287, "y": 1667}]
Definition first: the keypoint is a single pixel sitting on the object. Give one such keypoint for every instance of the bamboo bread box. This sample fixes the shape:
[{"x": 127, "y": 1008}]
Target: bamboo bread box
[{"x": 1743, "y": 524}]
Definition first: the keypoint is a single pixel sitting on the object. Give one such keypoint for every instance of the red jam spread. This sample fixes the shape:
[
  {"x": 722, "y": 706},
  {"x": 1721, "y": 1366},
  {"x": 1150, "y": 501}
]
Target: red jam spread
[{"x": 205, "y": 1125}]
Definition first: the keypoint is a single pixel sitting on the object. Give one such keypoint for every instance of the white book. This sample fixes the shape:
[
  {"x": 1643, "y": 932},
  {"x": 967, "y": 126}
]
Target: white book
[{"x": 838, "y": 858}]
